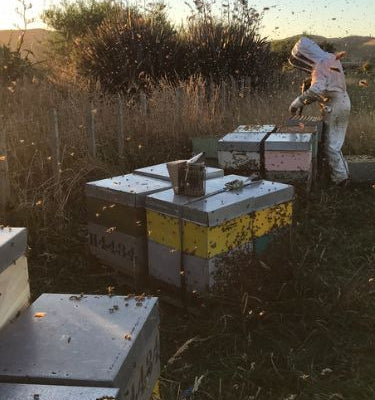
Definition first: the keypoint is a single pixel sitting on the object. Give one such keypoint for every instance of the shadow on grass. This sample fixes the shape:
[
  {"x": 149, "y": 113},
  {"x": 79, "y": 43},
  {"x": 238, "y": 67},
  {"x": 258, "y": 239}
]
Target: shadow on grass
[{"x": 297, "y": 324}]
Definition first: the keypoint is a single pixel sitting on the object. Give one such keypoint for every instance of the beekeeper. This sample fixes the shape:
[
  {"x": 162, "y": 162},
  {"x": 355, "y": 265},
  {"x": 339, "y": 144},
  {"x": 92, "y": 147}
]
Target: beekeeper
[{"x": 328, "y": 87}]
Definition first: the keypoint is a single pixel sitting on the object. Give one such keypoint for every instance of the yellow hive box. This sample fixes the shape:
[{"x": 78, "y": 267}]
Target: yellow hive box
[{"x": 210, "y": 227}]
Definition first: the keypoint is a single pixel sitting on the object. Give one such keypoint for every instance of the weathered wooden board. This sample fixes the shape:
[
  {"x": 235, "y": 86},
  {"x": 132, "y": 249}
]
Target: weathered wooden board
[
  {"x": 14, "y": 290},
  {"x": 14, "y": 278}
]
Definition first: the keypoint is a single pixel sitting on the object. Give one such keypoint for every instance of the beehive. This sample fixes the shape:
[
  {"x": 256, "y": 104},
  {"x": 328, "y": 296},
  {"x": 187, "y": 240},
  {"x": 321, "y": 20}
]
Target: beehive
[
  {"x": 14, "y": 277},
  {"x": 117, "y": 217},
  {"x": 117, "y": 221},
  {"x": 198, "y": 233},
  {"x": 9, "y": 391},
  {"x": 243, "y": 148},
  {"x": 290, "y": 157},
  {"x": 90, "y": 341}
]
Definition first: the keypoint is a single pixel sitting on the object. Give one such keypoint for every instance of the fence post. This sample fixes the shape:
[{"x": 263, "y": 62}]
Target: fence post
[
  {"x": 242, "y": 88},
  {"x": 180, "y": 101},
  {"x": 91, "y": 129},
  {"x": 4, "y": 173},
  {"x": 223, "y": 95},
  {"x": 234, "y": 86},
  {"x": 143, "y": 100},
  {"x": 120, "y": 131},
  {"x": 200, "y": 96},
  {"x": 55, "y": 144}
]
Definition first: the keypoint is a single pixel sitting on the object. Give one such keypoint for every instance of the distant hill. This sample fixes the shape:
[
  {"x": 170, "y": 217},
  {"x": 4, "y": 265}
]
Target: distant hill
[
  {"x": 35, "y": 40},
  {"x": 358, "y": 48}
]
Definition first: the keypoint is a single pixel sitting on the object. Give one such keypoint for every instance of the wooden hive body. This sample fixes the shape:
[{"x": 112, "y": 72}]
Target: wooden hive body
[
  {"x": 213, "y": 227},
  {"x": 14, "y": 277},
  {"x": 242, "y": 149},
  {"x": 290, "y": 156}
]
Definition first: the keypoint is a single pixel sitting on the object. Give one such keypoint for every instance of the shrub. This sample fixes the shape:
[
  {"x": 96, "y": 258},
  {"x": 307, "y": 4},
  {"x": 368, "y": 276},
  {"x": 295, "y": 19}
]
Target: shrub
[
  {"x": 218, "y": 50},
  {"x": 126, "y": 47},
  {"x": 71, "y": 21},
  {"x": 131, "y": 50},
  {"x": 13, "y": 65}
]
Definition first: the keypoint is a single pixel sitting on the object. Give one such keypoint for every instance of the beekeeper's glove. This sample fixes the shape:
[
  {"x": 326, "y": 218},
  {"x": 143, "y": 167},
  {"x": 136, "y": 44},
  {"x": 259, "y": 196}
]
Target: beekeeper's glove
[{"x": 296, "y": 105}]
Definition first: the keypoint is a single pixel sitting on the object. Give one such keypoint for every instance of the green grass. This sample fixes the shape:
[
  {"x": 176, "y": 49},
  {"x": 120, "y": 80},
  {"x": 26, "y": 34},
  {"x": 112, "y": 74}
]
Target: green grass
[
  {"x": 299, "y": 322},
  {"x": 308, "y": 326}
]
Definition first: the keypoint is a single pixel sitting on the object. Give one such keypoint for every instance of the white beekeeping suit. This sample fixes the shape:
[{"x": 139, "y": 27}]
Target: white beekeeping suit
[{"x": 328, "y": 87}]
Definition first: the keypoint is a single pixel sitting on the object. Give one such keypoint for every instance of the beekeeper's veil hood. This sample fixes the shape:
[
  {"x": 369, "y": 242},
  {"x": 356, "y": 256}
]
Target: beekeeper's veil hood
[{"x": 306, "y": 54}]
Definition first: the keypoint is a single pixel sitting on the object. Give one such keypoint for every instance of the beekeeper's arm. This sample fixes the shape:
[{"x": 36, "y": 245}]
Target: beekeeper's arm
[{"x": 314, "y": 93}]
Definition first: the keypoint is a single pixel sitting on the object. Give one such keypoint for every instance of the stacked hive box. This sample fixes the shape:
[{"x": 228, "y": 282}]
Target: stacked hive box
[
  {"x": 117, "y": 221},
  {"x": 14, "y": 278},
  {"x": 89, "y": 341},
  {"x": 117, "y": 217},
  {"x": 243, "y": 148},
  {"x": 10, "y": 391},
  {"x": 198, "y": 233},
  {"x": 290, "y": 157},
  {"x": 308, "y": 129}
]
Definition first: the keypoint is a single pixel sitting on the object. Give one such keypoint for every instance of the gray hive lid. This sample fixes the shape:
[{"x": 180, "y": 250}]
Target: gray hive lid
[
  {"x": 160, "y": 171},
  {"x": 13, "y": 244},
  {"x": 9, "y": 391},
  {"x": 256, "y": 128},
  {"x": 225, "y": 206},
  {"x": 171, "y": 204},
  {"x": 284, "y": 141},
  {"x": 242, "y": 141},
  {"x": 77, "y": 342},
  {"x": 128, "y": 189}
]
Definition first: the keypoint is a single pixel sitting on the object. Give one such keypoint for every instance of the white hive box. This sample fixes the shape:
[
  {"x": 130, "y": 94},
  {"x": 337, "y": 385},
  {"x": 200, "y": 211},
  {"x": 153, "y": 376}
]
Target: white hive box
[
  {"x": 290, "y": 157},
  {"x": 89, "y": 341},
  {"x": 160, "y": 171},
  {"x": 117, "y": 221},
  {"x": 14, "y": 277},
  {"x": 243, "y": 148},
  {"x": 208, "y": 228},
  {"x": 9, "y": 391}
]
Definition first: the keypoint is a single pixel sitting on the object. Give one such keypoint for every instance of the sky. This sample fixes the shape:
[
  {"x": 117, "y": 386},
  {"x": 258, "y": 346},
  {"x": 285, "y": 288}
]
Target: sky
[{"x": 331, "y": 18}]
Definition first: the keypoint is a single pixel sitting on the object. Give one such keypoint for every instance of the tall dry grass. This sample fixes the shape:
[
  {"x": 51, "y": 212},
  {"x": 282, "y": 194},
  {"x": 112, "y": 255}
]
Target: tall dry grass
[{"x": 158, "y": 131}]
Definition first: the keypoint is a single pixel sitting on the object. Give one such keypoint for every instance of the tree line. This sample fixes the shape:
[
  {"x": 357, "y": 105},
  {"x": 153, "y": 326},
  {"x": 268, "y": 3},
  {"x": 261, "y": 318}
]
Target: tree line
[
  {"x": 122, "y": 47},
  {"x": 125, "y": 47}
]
